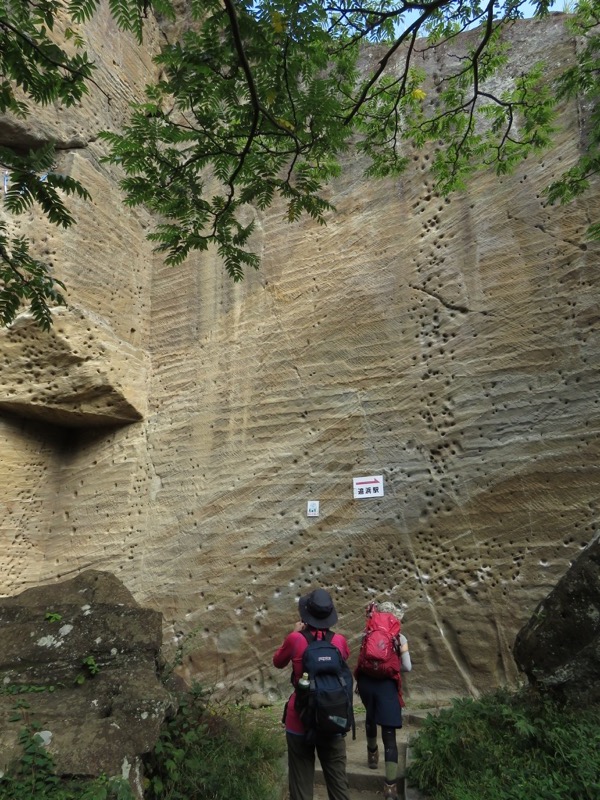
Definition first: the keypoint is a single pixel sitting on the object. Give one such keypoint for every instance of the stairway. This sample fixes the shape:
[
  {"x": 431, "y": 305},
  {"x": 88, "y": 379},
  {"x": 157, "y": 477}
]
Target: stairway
[{"x": 365, "y": 783}]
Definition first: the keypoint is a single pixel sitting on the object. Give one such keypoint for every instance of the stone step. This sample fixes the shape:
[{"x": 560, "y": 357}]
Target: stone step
[
  {"x": 355, "y": 794},
  {"x": 365, "y": 783},
  {"x": 359, "y": 774}
]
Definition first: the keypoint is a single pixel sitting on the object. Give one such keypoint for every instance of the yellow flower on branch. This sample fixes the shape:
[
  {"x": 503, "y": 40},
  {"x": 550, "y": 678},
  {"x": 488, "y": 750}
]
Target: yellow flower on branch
[
  {"x": 285, "y": 124},
  {"x": 278, "y": 22}
]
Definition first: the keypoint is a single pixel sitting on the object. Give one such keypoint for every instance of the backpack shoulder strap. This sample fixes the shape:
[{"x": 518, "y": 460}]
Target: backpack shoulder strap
[{"x": 309, "y": 636}]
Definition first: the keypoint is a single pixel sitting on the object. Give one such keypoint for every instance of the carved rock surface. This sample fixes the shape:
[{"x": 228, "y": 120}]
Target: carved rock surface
[
  {"x": 559, "y": 648},
  {"x": 76, "y": 374},
  {"x": 448, "y": 344},
  {"x": 96, "y": 724}
]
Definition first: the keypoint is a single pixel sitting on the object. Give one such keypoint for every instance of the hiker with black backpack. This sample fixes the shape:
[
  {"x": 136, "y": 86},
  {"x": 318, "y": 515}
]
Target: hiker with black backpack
[
  {"x": 319, "y": 711},
  {"x": 382, "y": 658}
]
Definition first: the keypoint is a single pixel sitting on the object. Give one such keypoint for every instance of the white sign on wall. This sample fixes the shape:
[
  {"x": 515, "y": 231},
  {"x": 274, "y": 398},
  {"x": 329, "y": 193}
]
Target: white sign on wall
[
  {"x": 312, "y": 508},
  {"x": 369, "y": 486}
]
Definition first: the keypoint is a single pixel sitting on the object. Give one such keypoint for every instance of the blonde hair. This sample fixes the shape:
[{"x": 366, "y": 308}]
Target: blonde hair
[{"x": 391, "y": 608}]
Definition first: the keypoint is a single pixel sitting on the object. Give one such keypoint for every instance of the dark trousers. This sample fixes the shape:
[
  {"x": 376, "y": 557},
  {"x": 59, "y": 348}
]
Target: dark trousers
[{"x": 301, "y": 766}]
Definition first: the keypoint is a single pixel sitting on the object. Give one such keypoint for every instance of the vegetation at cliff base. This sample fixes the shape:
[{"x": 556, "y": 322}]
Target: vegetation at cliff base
[
  {"x": 260, "y": 100},
  {"x": 214, "y": 752},
  {"x": 509, "y": 747},
  {"x": 33, "y": 777},
  {"x": 208, "y": 750}
]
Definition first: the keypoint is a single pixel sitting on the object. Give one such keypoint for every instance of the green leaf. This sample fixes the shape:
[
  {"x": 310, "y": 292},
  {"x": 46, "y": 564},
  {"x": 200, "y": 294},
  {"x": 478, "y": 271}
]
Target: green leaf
[
  {"x": 262, "y": 99},
  {"x": 26, "y": 282}
]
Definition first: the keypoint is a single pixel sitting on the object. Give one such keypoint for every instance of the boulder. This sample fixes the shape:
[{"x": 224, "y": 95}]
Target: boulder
[
  {"x": 559, "y": 648},
  {"x": 83, "y": 654}
]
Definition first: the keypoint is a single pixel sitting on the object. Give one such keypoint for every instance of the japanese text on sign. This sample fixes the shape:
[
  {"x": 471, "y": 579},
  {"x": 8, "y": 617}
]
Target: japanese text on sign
[{"x": 369, "y": 486}]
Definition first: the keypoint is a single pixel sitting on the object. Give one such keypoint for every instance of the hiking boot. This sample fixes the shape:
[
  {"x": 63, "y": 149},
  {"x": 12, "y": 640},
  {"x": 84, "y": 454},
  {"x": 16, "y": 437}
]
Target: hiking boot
[
  {"x": 372, "y": 758},
  {"x": 389, "y": 791}
]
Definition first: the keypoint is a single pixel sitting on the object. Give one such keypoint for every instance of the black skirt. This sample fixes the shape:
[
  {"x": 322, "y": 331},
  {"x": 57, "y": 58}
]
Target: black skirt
[{"x": 380, "y": 699}]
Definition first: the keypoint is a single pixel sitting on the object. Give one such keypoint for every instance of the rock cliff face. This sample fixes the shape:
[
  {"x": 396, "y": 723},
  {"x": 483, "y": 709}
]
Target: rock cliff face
[{"x": 448, "y": 345}]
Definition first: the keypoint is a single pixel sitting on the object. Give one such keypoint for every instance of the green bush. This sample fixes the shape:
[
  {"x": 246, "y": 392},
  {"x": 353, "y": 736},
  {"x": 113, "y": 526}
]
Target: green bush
[
  {"x": 208, "y": 752},
  {"x": 508, "y": 746}
]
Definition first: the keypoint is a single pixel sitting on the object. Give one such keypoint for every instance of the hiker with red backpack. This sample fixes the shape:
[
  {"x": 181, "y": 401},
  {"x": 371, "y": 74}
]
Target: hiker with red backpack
[
  {"x": 382, "y": 658},
  {"x": 319, "y": 711}
]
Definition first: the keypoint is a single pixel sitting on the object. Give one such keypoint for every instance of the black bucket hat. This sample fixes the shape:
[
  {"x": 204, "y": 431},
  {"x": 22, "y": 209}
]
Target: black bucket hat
[{"x": 317, "y": 609}]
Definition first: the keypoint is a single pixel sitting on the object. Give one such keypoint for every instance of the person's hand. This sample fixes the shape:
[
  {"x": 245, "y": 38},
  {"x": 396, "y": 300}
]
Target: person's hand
[{"x": 299, "y": 626}]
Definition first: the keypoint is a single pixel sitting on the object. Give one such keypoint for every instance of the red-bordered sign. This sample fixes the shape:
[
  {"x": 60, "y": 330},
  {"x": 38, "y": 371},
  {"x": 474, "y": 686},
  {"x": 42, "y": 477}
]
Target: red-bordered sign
[{"x": 368, "y": 487}]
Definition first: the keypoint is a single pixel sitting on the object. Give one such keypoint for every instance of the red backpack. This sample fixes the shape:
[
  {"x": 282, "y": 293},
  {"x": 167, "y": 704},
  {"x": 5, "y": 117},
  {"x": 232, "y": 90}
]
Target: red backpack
[{"x": 380, "y": 648}]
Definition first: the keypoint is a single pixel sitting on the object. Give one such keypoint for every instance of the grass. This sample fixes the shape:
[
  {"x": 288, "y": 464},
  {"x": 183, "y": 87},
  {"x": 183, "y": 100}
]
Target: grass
[
  {"x": 509, "y": 746},
  {"x": 215, "y": 752}
]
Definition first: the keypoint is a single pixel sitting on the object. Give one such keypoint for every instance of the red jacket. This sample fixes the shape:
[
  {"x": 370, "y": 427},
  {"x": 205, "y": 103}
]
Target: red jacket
[{"x": 292, "y": 649}]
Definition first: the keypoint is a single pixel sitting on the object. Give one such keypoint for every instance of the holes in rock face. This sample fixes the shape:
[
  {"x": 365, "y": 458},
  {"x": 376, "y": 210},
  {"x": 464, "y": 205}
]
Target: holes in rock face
[{"x": 105, "y": 712}]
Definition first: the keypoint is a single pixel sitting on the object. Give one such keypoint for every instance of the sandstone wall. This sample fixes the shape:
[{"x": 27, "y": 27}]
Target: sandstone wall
[{"x": 450, "y": 345}]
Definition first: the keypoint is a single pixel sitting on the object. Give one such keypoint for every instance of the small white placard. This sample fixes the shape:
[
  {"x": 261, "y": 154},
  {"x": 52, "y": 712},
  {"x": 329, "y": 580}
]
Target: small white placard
[
  {"x": 312, "y": 508},
  {"x": 369, "y": 486}
]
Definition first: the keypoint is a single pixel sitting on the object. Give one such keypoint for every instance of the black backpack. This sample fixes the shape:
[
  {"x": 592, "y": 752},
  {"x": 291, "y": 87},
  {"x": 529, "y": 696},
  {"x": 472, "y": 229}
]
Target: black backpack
[{"x": 325, "y": 707}]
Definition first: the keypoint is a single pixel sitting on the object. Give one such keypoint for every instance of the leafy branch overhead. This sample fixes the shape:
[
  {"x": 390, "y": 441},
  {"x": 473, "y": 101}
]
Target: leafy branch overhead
[
  {"x": 260, "y": 99},
  {"x": 24, "y": 278},
  {"x": 39, "y": 66}
]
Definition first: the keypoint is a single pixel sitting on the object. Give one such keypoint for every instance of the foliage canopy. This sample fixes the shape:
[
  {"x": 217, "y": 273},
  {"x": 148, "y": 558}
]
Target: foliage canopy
[{"x": 259, "y": 99}]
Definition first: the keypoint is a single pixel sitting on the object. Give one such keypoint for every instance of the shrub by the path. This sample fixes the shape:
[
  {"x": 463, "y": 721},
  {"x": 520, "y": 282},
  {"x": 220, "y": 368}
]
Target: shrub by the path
[
  {"x": 213, "y": 752},
  {"x": 508, "y": 746}
]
